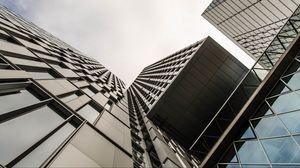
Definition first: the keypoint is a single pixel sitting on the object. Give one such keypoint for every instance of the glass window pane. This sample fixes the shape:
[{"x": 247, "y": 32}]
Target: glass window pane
[
  {"x": 269, "y": 126},
  {"x": 250, "y": 152},
  {"x": 73, "y": 157},
  {"x": 248, "y": 134},
  {"x": 69, "y": 98},
  {"x": 16, "y": 100},
  {"x": 293, "y": 81},
  {"x": 89, "y": 113},
  {"x": 286, "y": 102},
  {"x": 291, "y": 121},
  {"x": 282, "y": 150},
  {"x": 41, "y": 75},
  {"x": 20, "y": 133},
  {"x": 88, "y": 92},
  {"x": 41, "y": 153},
  {"x": 256, "y": 166},
  {"x": 297, "y": 139}
]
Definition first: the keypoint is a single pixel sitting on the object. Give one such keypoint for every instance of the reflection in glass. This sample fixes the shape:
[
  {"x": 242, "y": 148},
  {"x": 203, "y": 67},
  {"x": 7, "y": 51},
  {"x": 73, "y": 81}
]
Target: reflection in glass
[
  {"x": 293, "y": 81},
  {"x": 41, "y": 75},
  {"x": 250, "y": 152},
  {"x": 71, "y": 156},
  {"x": 88, "y": 92},
  {"x": 256, "y": 166},
  {"x": 286, "y": 102},
  {"x": 69, "y": 98},
  {"x": 89, "y": 113},
  {"x": 16, "y": 100},
  {"x": 248, "y": 134},
  {"x": 42, "y": 152},
  {"x": 18, "y": 134},
  {"x": 269, "y": 126},
  {"x": 282, "y": 150},
  {"x": 291, "y": 121}
]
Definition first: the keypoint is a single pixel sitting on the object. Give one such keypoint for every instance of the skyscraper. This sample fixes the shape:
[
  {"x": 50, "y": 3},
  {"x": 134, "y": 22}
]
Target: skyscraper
[
  {"x": 189, "y": 85},
  {"x": 252, "y": 25},
  {"x": 198, "y": 107},
  {"x": 58, "y": 107}
]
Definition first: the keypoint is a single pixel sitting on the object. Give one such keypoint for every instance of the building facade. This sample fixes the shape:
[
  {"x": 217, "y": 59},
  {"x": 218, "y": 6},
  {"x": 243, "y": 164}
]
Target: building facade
[
  {"x": 198, "y": 107},
  {"x": 58, "y": 107},
  {"x": 189, "y": 85},
  {"x": 252, "y": 137},
  {"x": 252, "y": 25},
  {"x": 265, "y": 132}
]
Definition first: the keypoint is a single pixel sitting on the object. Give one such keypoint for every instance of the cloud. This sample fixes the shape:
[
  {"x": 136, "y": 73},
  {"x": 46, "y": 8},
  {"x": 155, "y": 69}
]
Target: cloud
[{"x": 125, "y": 36}]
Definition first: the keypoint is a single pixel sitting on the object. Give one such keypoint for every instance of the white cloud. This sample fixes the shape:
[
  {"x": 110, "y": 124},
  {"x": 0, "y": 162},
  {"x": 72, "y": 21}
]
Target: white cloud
[{"x": 126, "y": 36}]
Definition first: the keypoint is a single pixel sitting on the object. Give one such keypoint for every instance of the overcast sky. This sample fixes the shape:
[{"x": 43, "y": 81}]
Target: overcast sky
[{"x": 125, "y": 35}]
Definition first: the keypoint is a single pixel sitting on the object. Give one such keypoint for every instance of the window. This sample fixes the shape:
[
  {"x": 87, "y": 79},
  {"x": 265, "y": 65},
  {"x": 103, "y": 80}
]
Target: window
[
  {"x": 251, "y": 152},
  {"x": 69, "y": 98},
  {"x": 286, "y": 102},
  {"x": 88, "y": 92},
  {"x": 269, "y": 126},
  {"x": 89, "y": 113},
  {"x": 282, "y": 150},
  {"x": 40, "y": 154},
  {"x": 18, "y": 134},
  {"x": 41, "y": 75},
  {"x": 16, "y": 100}
]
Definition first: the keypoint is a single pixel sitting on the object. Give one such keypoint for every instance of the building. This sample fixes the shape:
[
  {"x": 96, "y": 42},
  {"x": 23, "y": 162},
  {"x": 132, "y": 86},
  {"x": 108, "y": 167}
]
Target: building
[
  {"x": 270, "y": 107},
  {"x": 58, "y": 107},
  {"x": 184, "y": 90},
  {"x": 252, "y": 25},
  {"x": 198, "y": 107},
  {"x": 265, "y": 132}
]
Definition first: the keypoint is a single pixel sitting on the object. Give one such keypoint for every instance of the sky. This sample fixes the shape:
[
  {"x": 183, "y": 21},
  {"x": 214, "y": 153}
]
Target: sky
[{"x": 125, "y": 35}]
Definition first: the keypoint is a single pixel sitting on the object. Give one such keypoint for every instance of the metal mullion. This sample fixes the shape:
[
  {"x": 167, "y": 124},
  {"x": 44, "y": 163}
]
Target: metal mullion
[
  {"x": 35, "y": 145},
  {"x": 293, "y": 26},
  {"x": 51, "y": 158},
  {"x": 98, "y": 117},
  {"x": 231, "y": 18},
  {"x": 237, "y": 17},
  {"x": 278, "y": 8},
  {"x": 231, "y": 30},
  {"x": 258, "y": 140},
  {"x": 21, "y": 111},
  {"x": 236, "y": 154}
]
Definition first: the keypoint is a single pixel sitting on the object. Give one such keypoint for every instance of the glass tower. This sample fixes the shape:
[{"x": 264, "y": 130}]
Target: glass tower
[
  {"x": 198, "y": 107},
  {"x": 252, "y": 25}
]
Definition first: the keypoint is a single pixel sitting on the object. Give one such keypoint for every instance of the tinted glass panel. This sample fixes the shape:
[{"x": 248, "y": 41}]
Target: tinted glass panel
[
  {"x": 282, "y": 150},
  {"x": 293, "y": 81},
  {"x": 17, "y": 100},
  {"x": 69, "y": 98},
  {"x": 20, "y": 133},
  {"x": 286, "y": 102},
  {"x": 41, "y": 75},
  {"x": 248, "y": 134},
  {"x": 40, "y": 154},
  {"x": 270, "y": 126},
  {"x": 89, "y": 113},
  {"x": 251, "y": 152},
  {"x": 291, "y": 121},
  {"x": 88, "y": 92},
  {"x": 73, "y": 157}
]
